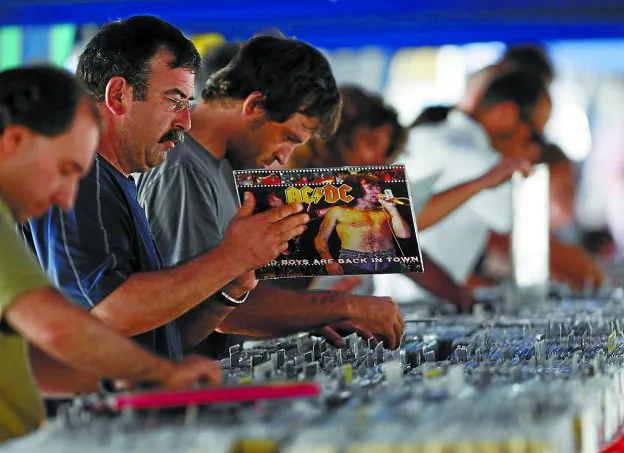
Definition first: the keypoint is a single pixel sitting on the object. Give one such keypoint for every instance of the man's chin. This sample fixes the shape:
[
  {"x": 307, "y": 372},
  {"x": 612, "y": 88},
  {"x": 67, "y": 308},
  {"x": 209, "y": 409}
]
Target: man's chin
[
  {"x": 23, "y": 216},
  {"x": 155, "y": 160}
]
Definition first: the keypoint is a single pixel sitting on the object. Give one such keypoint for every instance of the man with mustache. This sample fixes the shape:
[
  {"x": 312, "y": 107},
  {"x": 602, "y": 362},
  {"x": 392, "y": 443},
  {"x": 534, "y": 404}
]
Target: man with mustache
[
  {"x": 101, "y": 253},
  {"x": 275, "y": 95}
]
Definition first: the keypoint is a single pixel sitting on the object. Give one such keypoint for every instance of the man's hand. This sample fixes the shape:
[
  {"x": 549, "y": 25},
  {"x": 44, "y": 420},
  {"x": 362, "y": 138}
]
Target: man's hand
[
  {"x": 192, "y": 370},
  {"x": 334, "y": 268},
  {"x": 335, "y": 332},
  {"x": 378, "y": 316},
  {"x": 388, "y": 206},
  {"x": 505, "y": 169},
  {"x": 255, "y": 240},
  {"x": 238, "y": 287}
]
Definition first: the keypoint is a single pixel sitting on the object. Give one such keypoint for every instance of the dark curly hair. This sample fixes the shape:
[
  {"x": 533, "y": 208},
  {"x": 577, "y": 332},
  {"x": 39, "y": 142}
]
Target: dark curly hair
[
  {"x": 530, "y": 58},
  {"x": 293, "y": 77},
  {"x": 358, "y": 180},
  {"x": 519, "y": 87},
  {"x": 125, "y": 47},
  {"x": 360, "y": 108},
  {"x": 42, "y": 98}
]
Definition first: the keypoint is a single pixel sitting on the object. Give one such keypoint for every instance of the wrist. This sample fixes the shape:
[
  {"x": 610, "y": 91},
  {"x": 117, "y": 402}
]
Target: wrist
[
  {"x": 235, "y": 291},
  {"x": 230, "y": 301},
  {"x": 227, "y": 262},
  {"x": 346, "y": 308}
]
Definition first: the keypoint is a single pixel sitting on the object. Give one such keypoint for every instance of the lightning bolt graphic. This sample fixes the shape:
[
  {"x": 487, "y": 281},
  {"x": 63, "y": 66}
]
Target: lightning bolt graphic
[{"x": 318, "y": 194}]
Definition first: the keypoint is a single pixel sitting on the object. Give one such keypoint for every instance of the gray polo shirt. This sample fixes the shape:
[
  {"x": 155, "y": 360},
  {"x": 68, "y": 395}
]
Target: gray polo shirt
[{"x": 189, "y": 201}]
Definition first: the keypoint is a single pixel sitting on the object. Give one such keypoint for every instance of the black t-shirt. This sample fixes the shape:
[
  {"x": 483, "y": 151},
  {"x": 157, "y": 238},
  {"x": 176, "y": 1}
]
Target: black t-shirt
[{"x": 93, "y": 249}]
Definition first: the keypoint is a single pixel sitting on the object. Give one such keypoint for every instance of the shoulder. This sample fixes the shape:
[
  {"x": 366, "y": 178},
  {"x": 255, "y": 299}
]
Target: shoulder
[
  {"x": 180, "y": 169},
  {"x": 101, "y": 186},
  {"x": 336, "y": 211}
]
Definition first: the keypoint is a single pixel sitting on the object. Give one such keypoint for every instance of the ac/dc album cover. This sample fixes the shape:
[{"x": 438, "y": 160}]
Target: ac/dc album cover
[{"x": 361, "y": 220}]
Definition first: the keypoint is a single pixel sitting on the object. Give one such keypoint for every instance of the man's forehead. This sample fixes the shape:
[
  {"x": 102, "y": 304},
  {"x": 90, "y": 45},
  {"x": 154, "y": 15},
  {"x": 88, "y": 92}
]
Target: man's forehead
[
  {"x": 303, "y": 124},
  {"x": 164, "y": 78},
  {"x": 309, "y": 123}
]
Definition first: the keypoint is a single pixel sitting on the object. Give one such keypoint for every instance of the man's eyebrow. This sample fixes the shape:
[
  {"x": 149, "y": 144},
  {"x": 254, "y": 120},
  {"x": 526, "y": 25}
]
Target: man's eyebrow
[
  {"x": 179, "y": 92},
  {"x": 76, "y": 167},
  {"x": 294, "y": 135}
]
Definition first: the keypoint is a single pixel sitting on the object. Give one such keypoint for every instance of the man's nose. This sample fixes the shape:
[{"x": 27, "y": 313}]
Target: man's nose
[{"x": 182, "y": 120}]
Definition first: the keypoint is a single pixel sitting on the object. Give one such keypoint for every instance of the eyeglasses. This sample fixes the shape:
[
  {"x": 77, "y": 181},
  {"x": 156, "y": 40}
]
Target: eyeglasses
[
  {"x": 181, "y": 104},
  {"x": 177, "y": 104}
]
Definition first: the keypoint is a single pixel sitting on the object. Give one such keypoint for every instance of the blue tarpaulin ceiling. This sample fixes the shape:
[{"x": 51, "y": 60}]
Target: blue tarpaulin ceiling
[{"x": 350, "y": 23}]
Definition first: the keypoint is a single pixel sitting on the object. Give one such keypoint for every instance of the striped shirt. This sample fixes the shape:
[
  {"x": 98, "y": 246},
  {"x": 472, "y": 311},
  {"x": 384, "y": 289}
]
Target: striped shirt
[{"x": 92, "y": 250}]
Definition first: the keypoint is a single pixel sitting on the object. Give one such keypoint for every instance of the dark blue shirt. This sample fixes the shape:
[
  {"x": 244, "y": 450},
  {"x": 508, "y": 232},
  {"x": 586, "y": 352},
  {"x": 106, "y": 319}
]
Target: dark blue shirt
[{"x": 92, "y": 250}]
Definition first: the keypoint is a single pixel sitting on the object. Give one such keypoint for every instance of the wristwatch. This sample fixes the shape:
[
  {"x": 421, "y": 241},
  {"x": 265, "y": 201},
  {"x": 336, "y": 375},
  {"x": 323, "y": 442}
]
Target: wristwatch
[{"x": 230, "y": 301}]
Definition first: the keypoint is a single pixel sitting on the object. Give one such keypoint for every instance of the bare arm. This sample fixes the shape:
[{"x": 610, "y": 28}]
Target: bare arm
[
  {"x": 568, "y": 263},
  {"x": 263, "y": 315},
  {"x": 321, "y": 242},
  {"x": 72, "y": 336},
  {"x": 159, "y": 297},
  {"x": 55, "y": 379},
  {"x": 574, "y": 265},
  {"x": 442, "y": 204},
  {"x": 399, "y": 225},
  {"x": 436, "y": 280},
  {"x": 202, "y": 320},
  {"x": 273, "y": 312}
]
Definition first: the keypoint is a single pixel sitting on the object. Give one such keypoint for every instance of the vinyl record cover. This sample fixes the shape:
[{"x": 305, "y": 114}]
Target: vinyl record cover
[{"x": 361, "y": 220}]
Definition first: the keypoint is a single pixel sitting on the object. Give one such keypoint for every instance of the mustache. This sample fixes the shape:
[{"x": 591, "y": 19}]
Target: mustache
[{"x": 173, "y": 135}]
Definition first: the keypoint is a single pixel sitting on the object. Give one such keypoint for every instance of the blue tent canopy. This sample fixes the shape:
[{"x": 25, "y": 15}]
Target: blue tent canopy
[{"x": 349, "y": 23}]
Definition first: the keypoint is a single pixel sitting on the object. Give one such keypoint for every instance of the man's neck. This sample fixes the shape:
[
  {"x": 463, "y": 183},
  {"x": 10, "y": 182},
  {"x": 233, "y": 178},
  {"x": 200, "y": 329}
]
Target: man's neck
[
  {"x": 212, "y": 125},
  {"x": 365, "y": 204},
  {"x": 108, "y": 147}
]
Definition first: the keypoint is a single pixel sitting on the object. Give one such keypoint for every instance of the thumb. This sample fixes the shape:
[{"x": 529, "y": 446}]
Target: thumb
[{"x": 247, "y": 209}]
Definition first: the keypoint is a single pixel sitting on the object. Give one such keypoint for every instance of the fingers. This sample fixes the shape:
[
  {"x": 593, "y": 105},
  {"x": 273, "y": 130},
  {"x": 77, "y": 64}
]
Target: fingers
[
  {"x": 398, "y": 331},
  {"x": 366, "y": 335},
  {"x": 249, "y": 204},
  {"x": 211, "y": 373},
  {"x": 521, "y": 165},
  {"x": 277, "y": 214},
  {"x": 199, "y": 369},
  {"x": 292, "y": 233},
  {"x": 332, "y": 336},
  {"x": 291, "y": 222},
  {"x": 334, "y": 269},
  {"x": 393, "y": 325},
  {"x": 346, "y": 327}
]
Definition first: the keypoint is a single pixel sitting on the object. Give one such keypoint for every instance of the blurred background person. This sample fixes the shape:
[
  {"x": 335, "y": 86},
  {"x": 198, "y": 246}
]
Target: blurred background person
[{"x": 514, "y": 108}]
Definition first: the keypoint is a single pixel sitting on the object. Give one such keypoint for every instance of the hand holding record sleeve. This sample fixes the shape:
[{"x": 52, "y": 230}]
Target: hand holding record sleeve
[{"x": 257, "y": 239}]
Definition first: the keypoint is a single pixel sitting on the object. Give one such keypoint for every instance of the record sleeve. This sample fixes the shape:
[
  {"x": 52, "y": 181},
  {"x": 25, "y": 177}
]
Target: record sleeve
[{"x": 361, "y": 220}]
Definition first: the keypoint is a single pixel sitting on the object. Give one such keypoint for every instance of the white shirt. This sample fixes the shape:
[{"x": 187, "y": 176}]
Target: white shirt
[{"x": 458, "y": 151}]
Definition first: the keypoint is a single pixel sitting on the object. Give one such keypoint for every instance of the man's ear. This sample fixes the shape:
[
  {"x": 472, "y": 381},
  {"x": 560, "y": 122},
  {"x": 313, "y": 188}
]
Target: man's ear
[
  {"x": 252, "y": 106},
  {"x": 14, "y": 139},
  {"x": 118, "y": 95}
]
